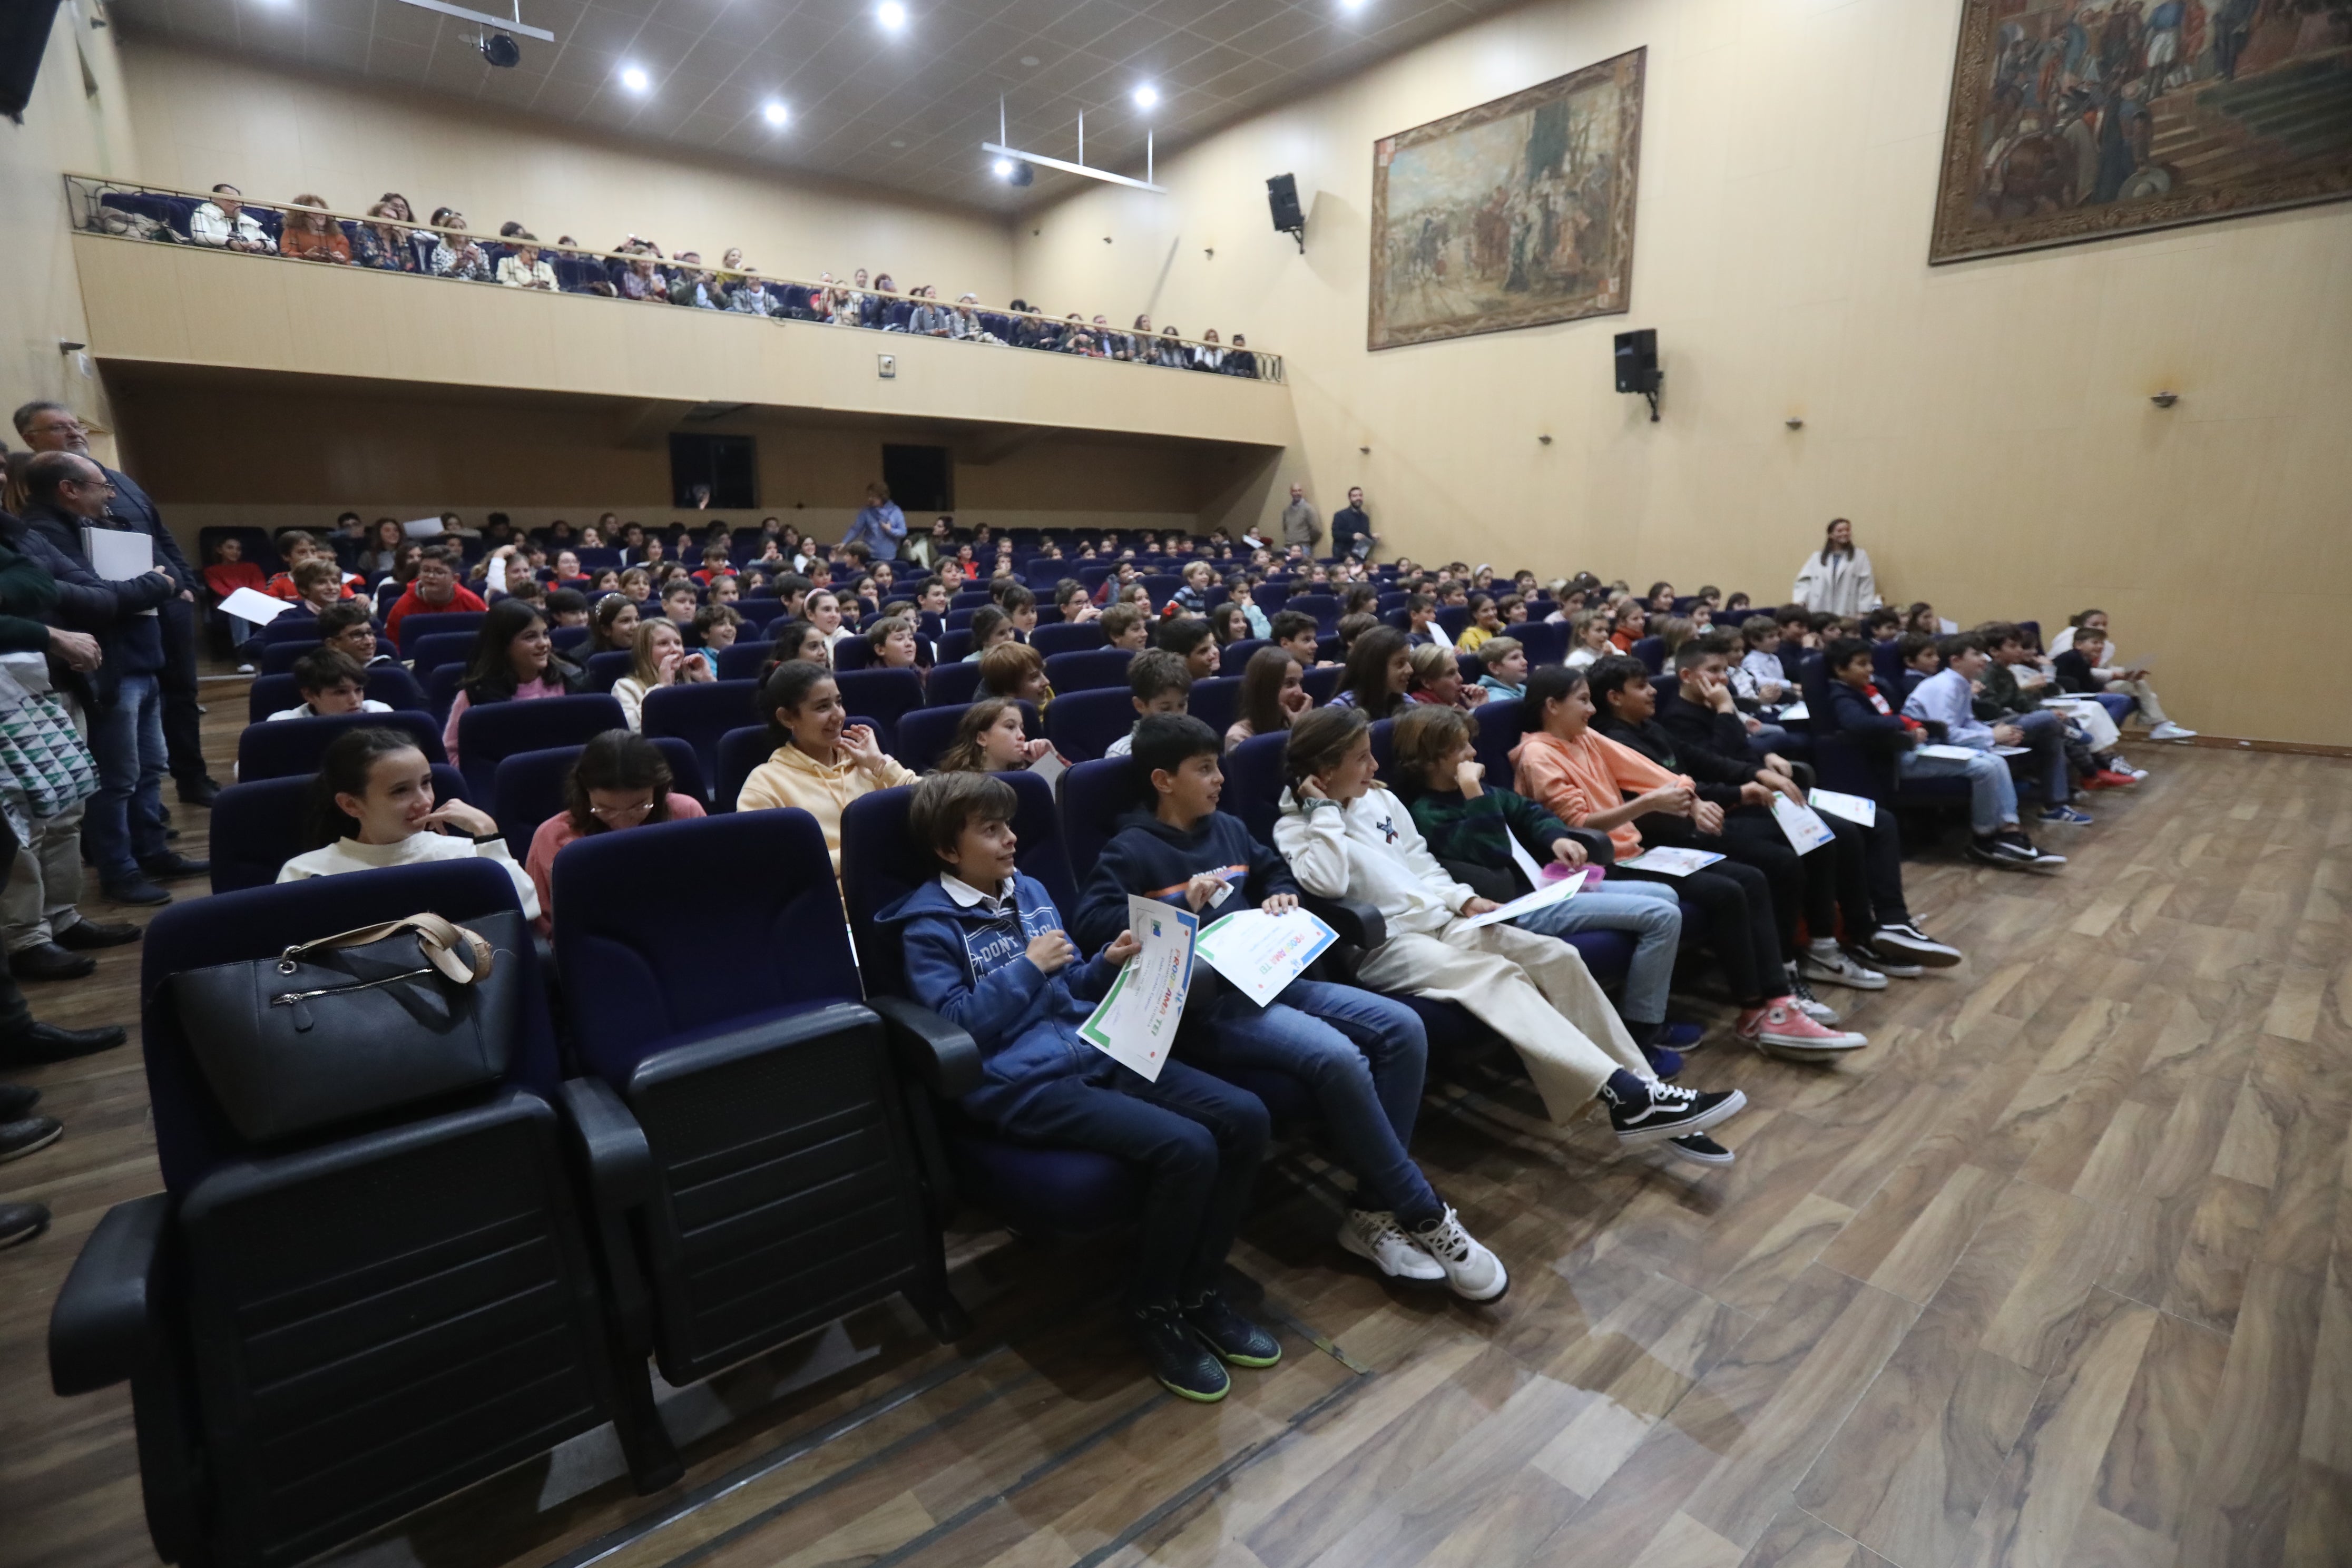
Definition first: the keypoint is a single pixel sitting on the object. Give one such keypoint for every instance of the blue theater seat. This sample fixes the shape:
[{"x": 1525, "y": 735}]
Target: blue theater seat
[
  {"x": 429, "y": 652},
  {"x": 1083, "y": 637},
  {"x": 1083, "y": 724},
  {"x": 886, "y": 695},
  {"x": 1093, "y": 670},
  {"x": 488, "y": 735},
  {"x": 1236, "y": 656},
  {"x": 257, "y": 827},
  {"x": 951, "y": 685},
  {"x": 530, "y": 786},
  {"x": 1217, "y": 702},
  {"x": 430, "y": 622},
  {"x": 698, "y": 713},
  {"x": 289, "y": 746},
  {"x": 278, "y": 657}
]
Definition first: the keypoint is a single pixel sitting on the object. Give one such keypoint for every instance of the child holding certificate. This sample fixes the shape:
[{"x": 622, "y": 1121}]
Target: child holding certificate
[
  {"x": 1345, "y": 836},
  {"x": 1363, "y": 1054},
  {"x": 986, "y": 950}
]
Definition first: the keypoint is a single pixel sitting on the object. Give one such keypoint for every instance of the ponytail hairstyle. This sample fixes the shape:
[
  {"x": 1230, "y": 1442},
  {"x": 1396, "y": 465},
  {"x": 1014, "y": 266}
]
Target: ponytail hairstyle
[
  {"x": 617, "y": 759},
  {"x": 1319, "y": 739},
  {"x": 1546, "y": 684},
  {"x": 350, "y": 761}
]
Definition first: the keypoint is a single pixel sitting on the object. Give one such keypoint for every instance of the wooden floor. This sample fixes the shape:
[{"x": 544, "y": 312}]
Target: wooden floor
[{"x": 2058, "y": 1273}]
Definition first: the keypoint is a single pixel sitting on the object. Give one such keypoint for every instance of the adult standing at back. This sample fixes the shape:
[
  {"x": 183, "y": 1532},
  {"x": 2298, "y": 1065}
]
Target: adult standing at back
[
  {"x": 1352, "y": 538},
  {"x": 880, "y": 525},
  {"x": 1301, "y": 528},
  {"x": 53, "y": 427},
  {"x": 1838, "y": 579}
]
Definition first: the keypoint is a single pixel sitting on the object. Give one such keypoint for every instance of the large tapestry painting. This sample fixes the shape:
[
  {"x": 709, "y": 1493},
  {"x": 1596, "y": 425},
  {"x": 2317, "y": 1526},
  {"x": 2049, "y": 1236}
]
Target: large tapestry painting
[
  {"x": 1513, "y": 213},
  {"x": 2074, "y": 119}
]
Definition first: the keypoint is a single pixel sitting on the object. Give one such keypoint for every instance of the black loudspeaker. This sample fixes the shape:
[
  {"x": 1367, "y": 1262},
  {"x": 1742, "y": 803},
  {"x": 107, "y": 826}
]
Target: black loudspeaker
[
  {"x": 24, "y": 39},
  {"x": 1637, "y": 360},
  {"x": 1282, "y": 196},
  {"x": 501, "y": 50}
]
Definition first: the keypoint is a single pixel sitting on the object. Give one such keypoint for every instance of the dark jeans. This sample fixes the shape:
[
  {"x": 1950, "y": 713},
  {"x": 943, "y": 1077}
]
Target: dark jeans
[
  {"x": 124, "y": 827},
  {"x": 1860, "y": 877},
  {"x": 16, "y": 1018},
  {"x": 2045, "y": 735},
  {"x": 183, "y": 719},
  {"x": 1739, "y": 928},
  {"x": 1199, "y": 1141}
]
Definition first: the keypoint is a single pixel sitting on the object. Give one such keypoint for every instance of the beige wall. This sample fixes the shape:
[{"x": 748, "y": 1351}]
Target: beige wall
[
  {"x": 1986, "y": 424},
  {"x": 67, "y": 126},
  {"x": 276, "y": 134}
]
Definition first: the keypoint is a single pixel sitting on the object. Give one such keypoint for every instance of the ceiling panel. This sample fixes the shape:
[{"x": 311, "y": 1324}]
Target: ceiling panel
[{"x": 854, "y": 88}]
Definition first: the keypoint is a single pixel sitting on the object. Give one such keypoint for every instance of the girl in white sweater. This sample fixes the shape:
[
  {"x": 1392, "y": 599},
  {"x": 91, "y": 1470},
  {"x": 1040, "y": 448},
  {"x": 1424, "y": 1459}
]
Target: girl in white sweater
[
  {"x": 372, "y": 807},
  {"x": 1346, "y": 836}
]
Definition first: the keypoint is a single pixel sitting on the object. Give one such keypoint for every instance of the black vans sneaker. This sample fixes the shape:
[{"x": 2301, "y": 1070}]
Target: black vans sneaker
[
  {"x": 1233, "y": 1337},
  {"x": 1699, "y": 1150},
  {"x": 1178, "y": 1357},
  {"x": 1671, "y": 1111}
]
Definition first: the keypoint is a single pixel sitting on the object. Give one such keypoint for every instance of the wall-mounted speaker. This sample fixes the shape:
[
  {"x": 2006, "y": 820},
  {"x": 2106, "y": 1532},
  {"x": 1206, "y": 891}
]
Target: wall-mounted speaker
[
  {"x": 1282, "y": 200},
  {"x": 1637, "y": 360}
]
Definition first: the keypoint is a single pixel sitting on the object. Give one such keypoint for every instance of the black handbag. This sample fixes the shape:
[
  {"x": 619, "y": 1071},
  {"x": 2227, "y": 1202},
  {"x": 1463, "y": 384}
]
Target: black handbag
[{"x": 354, "y": 1025}]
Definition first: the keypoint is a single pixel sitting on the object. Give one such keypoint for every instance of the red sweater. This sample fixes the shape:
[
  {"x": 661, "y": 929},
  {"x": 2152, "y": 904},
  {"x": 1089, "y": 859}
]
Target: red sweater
[
  {"x": 461, "y": 598},
  {"x": 226, "y": 577}
]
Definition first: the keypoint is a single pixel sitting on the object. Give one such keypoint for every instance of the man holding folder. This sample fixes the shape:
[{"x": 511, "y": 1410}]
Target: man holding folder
[{"x": 123, "y": 830}]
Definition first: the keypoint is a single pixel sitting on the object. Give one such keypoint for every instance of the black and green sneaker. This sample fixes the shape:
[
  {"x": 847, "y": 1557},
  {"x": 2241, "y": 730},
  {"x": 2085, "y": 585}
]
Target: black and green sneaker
[
  {"x": 1183, "y": 1365},
  {"x": 1233, "y": 1337}
]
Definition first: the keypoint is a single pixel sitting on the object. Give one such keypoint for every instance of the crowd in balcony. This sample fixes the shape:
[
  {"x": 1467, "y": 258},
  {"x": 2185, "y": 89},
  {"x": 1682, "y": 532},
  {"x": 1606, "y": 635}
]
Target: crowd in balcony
[{"x": 391, "y": 239}]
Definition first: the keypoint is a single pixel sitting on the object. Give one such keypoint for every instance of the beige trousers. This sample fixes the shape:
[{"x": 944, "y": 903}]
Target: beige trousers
[{"x": 1532, "y": 990}]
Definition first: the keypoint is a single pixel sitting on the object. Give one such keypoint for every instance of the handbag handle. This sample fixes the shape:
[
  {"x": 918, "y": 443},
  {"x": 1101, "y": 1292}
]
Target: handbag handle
[{"x": 463, "y": 956}]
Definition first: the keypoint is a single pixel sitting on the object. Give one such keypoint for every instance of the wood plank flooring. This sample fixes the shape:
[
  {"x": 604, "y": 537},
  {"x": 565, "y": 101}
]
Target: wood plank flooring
[{"x": 2057, "y": 1274}]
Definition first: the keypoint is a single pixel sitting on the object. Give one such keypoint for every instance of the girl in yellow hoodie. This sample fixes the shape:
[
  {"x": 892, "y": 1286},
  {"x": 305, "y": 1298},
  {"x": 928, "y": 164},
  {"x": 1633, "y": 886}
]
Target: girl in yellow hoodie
[{"x": 821, "y": 762}]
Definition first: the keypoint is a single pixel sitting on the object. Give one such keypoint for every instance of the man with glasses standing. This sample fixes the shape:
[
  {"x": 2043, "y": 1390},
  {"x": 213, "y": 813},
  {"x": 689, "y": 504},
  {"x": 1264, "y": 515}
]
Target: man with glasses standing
[
  {"x": 124, "y": 827},
  {"x": 52, "y": 427}
]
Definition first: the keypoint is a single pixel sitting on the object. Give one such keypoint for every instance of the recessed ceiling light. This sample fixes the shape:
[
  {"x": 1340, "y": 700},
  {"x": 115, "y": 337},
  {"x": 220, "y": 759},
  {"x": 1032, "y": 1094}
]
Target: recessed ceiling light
[
  {"x": 634, "y": 79},
  {"x": 1029, "y": 59},
  {"x": 1146, "y": 96},
  {"x": 1002, "y": 168},
  {"x": 777, "y": 114},
  {"x": 1352, "y": 6},
  {"x": 891, "y": 15}
]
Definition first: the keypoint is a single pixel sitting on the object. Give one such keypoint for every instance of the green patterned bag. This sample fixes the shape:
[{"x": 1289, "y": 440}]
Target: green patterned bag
[{"x": 43, "y": 755}]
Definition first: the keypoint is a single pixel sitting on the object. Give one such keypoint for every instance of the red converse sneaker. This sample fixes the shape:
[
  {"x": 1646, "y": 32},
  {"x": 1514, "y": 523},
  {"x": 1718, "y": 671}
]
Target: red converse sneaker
[{"x": 1781, "y": 1027}]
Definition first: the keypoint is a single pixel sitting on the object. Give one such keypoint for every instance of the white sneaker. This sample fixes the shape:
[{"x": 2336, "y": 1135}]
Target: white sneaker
[
  {"x": 245, "y": 669},
  {"x": 1375, "y": 1236},
  {"x": 1814, "y": 1007},
  {"x": 1832, "y": 967},
  {"x": 1472, "y": 1272},
  {"x": 2168, "y": 731}
]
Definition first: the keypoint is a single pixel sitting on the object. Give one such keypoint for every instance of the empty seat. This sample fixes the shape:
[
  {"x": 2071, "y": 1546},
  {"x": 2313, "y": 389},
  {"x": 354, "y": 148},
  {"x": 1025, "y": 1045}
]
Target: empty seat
[
  {"x": 1234, "y": 657},
  {"x": 271, "y": 751},
  {"x": 1082, "y": 637},
  {"x": 418, "y": 624},
  {"x": 1090, "y": 670},
  {"x": 951, "y": 685}
]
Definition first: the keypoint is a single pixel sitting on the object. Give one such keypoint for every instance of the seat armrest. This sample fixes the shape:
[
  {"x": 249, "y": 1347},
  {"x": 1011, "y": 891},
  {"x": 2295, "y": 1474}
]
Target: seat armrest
[
  {"x": 943, "y": 1058},
  {"x": 104, "y": 1328},
  {"x": 620, "y": 1161},
  {"x": 1357, "y": 923},
  {"x": 1599, "y": 848}
]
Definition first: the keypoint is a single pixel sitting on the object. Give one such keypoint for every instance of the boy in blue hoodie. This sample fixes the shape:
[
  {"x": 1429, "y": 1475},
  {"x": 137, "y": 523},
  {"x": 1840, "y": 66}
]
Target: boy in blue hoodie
[
  {"x": 986, "y": 950},
  {"x": 1363, "y": 1054}
]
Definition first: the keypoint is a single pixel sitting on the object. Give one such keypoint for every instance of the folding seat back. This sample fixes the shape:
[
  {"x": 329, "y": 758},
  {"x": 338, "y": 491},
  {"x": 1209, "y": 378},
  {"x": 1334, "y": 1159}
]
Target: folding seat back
[
  {"x": 969, "y": 599},
  {"x": 696, "y": 714},
  {"x": 1254, "y": 784},
  {"x": 1651, "y": 651},
  {"x": 1497, "y": 725},
  {"x": 271, "y": 694},
  {"x": 290, "y": 625},
  {"x": 1090, "y": 670},
  {"x": 1545, "y": 643},
  {"x": 260, "y": 826},
  {"x": 278, "y": 657},
  {"x": 1083, "y": 637},
  {"x": 959, "y": 617},
  {"x": 1217, "y": 702},
  {"x": 1322, "y": 682},
  {"x": 423, "y": 624},
  {"x": 605, "y": 671},
  {"x": 324, "y": 1333},
  {"x": 1271, "y": 596},
  {"x": 743, "y": 661},
  {"x": 1324, "y": 607},
  {"x": 1162, "y": 585},
  {"x": 1454, "y": 618},
  {"x": 852, "y": 653},
  {"x": 396, "y": 688},
  {"x": 495, "y": 731},
  {"x": 274, "y": 751},
  {"x": 1093, "y": 796},
  {"x": 950, "y": 684},
  {"x": 441, "y": 689},
  {"x": 954, "y": 643},
  {"x": 736, "y": 1050},
  {"x": 1083, "y": 724},
  {"x": 1236, "y": 656},
  {"x": 888, "y": 695},
  {"x": 429, "y": 653},
  {"x": 1394, "y": 600},
  {"x": 530, "y": 787},
  {"x": 566, "y": 640},
  {"x": 739, "y": 751}
]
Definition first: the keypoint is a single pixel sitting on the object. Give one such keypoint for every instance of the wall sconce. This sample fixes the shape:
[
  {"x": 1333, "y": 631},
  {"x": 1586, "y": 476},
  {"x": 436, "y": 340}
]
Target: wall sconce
[
  {"x": 1366, "y": 451},
  {"x": 1794, "y": 423},
  {"x": 2165, "y": 399},
  {"x": 1546, "y": 440}
]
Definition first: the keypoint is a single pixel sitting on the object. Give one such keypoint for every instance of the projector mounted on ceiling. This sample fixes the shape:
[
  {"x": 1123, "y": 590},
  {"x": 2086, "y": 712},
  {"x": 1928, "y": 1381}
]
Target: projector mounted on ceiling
[{"x": 513, "y": 24}]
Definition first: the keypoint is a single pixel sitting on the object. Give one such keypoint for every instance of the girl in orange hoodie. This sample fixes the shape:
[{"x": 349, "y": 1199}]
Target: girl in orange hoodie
[{"x": 1588, "y": 781}]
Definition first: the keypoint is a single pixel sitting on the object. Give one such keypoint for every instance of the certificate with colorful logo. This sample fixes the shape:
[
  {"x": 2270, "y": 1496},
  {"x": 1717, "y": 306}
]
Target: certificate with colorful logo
[
  {"x": 1260, "y": 954},
  {"x": 1136, "y": 1022}
]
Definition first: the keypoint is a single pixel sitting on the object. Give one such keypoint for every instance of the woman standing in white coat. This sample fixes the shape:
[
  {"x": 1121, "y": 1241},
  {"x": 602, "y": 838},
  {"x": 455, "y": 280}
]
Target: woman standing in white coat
[{"x": 1838, "y": 580}]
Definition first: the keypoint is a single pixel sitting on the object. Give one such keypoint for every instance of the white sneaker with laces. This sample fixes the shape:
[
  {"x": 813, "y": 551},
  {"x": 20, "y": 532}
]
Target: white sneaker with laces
[
  {"x": 1471, "y": 1270},
  {"x": 1815, "y": 1008},
  {"x": 1831, "y": 966},
  {"x": 2168, "y": 731},
  {"x": 1375, "y": 1236}
]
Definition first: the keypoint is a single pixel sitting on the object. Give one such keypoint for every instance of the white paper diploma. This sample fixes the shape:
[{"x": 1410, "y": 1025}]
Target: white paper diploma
[
  {"x": 253, "y": 604},
  {"x": 1136, "y": 1022},
  {"x": 1260, "y": 954},
  {"x": 117, "y": 554},
  {"x": 1852, "y": 807},
  {"x": 1949, "y": 754},
  {"x": 1545, "y": 895},
  {"x": 1672, "y": 862},
  {"x": 1795, "y": 713},
  {"x": 423, "y": 528},
  {"x": 1804, "y": 831}
]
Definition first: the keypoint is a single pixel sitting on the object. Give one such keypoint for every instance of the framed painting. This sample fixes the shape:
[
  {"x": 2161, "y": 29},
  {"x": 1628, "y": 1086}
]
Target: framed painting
[
  {"x": 1515, "y": 214},
  {"x": 2075, "y": 119}
]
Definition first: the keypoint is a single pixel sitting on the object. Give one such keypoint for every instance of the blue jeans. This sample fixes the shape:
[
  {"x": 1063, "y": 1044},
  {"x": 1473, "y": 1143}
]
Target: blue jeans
[
  {"x": 2045, "y": 734},
  {"x": 124, "y": 825},
  {"x": 1365, "y": 1056},
  {"x": 1652, "y": 912},
  {"x": 1200, "y": 1141},
  {"x": 1992, "y": 797}
]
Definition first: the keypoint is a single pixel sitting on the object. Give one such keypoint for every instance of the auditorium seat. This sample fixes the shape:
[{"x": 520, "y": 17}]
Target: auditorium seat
[
  {"x": 1082, "y": 725},
  {"x": 1236, "y": 656},
  {"x": 743, "y": 661},
  {"x": 925, "y": 734},
  {"x": 1090, "y": 670},
  {"x": 1545, "y": 643},
  {"x": 951, "y": 685},
  {"x": 327, "y": 1332},
  {"x": 1324, "y": 607},
  {"x": 489, "y": 734},
  {"x": 780, "y": 1184},
  {"x": 278, "y": 657},
  {"x": 1215, "y": 703},
  {"x": 1083, "y": 638},
  {"x": 887, "y": 695},
  {"x": 427, "y": 654},
  {"x": 419, "y": 624},
  {"x": 257, "y": 827},
  {"x": 698, "y": 713},
  {"x": 1652, "y": 652},
  {"x": 604, "y": 670},
  {"x": 530, "y": 786},
  {"x": 272, "y": 751},
  {"x": 1322, "y": 682}
]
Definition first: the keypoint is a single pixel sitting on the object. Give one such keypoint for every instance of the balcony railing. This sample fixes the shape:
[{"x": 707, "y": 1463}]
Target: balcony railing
[{"x": 158, "y": 214}]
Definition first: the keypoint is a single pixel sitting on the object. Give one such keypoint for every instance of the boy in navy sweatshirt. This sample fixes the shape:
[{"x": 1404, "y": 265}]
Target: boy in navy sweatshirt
[
  {"x": 1364, "y": 1055},
  {"x": 986, "y": 950}
]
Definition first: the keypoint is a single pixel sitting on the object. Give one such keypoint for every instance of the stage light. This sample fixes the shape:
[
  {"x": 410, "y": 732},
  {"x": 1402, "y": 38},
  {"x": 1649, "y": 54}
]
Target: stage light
[
  {"x": 1146, "y": 96},
  {"x": 634, "y": 79},
  {"x": 776, "y": 113},
  {"x": 891, "y": 15}
]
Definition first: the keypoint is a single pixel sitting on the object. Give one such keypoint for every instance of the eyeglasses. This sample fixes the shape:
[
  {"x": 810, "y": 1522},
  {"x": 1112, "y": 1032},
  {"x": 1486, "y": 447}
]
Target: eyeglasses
[{"x": 614, "y": 815}]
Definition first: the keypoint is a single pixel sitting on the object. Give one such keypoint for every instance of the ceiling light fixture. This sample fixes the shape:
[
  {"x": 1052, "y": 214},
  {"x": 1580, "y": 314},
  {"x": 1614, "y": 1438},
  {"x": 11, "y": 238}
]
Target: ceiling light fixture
[
  {"x": 891, "y": 15},
  {"x": 634, "y": 79},
  {"x": 776, "y": 113},
  {"x": 1002, "y": 168},
  {"x": 513, "y": 24},
  {"x": 1146, "y": 96},
  {"x": 1025, "y": 172}
]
